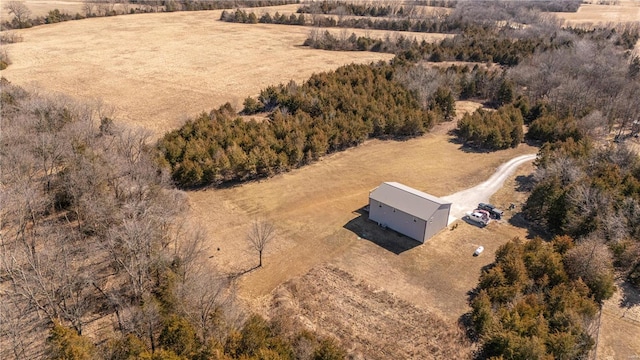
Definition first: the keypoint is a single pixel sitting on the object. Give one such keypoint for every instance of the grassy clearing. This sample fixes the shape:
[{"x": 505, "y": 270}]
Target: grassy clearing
[
  {"x": 315, "y": 212},
  {"x": 185, "y": 63}
]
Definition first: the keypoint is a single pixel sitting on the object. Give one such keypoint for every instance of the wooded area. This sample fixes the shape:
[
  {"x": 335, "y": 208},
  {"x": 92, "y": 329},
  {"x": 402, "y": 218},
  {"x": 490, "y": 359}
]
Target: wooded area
[
  {"x": 330, "y": 112},
  {"x": 528, "y": 306},
  {"x": 572, "y": 88},
  {"x": 92, "y": 231}
]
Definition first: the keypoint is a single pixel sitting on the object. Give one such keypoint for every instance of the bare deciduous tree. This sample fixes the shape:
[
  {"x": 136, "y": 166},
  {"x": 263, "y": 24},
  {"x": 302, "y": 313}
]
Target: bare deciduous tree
[
  {"x": 207, "y": 300},
  {"x": 87, "y": 7},
  {"x": 260, "y": 235},
  {"x": 591, "y": 261},
  {"x": 19, "y": 10}
]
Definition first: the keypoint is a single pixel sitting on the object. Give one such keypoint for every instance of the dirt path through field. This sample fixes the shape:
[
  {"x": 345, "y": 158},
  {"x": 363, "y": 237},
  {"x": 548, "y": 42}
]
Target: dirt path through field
[{"x": 467, "y": 200}]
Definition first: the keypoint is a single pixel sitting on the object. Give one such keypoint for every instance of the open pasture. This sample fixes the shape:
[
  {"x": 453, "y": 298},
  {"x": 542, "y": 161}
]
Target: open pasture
[
  {"x": 624, "y": 11},
  {"x": 42, "y": 7},
  {"x": 155, "y": 70}
]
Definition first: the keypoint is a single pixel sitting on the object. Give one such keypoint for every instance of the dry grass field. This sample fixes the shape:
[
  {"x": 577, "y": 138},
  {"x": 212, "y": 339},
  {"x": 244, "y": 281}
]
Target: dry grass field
[
  {"x": 321, "y": 230},
  {"x": 316, "y": 212},
  {"x": 372, "y": 323},
  {"x": 620, "y": 325},
  {"x": 157, "y": 69},
  {"x": 591, "y": 14},
  {"x": 42, "y": 7}
]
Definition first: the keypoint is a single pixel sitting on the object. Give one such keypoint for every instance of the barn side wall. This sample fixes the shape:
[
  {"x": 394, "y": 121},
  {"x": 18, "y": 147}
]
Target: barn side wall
[
  {"x": 397, "y": 220},
  {"x": 438, "y": 221}
]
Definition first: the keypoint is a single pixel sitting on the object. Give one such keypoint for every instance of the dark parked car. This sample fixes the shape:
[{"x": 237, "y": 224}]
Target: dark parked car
[{"x": 493, "y": 211}]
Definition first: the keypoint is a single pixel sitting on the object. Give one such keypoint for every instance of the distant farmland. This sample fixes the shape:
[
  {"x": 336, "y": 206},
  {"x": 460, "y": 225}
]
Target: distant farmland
[{"x": 155, "y": 70}]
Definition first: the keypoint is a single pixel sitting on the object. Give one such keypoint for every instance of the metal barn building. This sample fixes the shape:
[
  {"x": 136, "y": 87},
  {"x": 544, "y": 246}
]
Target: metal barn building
[{"x": 408, "y": 211}]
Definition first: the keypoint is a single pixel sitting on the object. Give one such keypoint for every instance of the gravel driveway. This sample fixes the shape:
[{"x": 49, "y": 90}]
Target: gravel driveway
[{"x": 467, "y": 200}]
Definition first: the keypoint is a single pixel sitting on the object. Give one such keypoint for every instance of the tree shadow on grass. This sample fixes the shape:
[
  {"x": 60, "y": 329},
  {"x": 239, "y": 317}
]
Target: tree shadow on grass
[
  {"x": 518, "y": 220},
  {"x": 465, "y": 146},
  {"x": 237, "y": 274},
  {"x": 465, "y": 321},
  {"x": 385, "y": 238},
  {"x": 630, "y": 295},
  {"x": 525, "y": 183}
]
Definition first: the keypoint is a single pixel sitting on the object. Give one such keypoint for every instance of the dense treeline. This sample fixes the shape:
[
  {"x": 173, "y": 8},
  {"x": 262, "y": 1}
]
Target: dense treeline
[
  {"x": 584, "y": 186},
  {"x": 241, "y": 16},
  {"x": 434, "y": 25},
  {"x": 444, "y": 85},
  {"x": 376, "y": 9},
  {"x": 426, "y": 24},
  {"x": 625, "y": 35},
  {"x": 330, "y": 112},
  {"x": 93, "y": 231},
  {"x": 475, "y": 47},
  {"x": 344, "y": 8},
  {"x": 531, "y": 304},
  {"x": 468, "y": 17},
  {"x": 539, "y": 299}
]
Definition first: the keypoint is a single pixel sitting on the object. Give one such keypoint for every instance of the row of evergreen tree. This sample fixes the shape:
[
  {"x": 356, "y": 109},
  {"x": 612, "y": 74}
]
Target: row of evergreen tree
[
  {"x": 364, "y": 9},
  {"x": 430, "y": 24},
  {"x": 244, "y": 17},
  {"x": 330, "y": 112},
  {"x": 479, "y": 46},
  {"x": 373, "y": 10}
]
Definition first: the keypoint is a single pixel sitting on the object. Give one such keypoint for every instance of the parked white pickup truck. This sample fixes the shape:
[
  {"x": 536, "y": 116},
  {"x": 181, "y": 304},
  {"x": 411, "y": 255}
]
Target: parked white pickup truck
[{"x": 478, "y": 218}]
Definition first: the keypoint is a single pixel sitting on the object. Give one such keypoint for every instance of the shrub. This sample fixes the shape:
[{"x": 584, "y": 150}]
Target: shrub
[
  {"x": 494, "y": 130},
  {"x": 10, "y": 37},
  {"x": 4, "y": 59},
  {"x": 66, "y": 344},
  {"x": 546, "y": 314}
]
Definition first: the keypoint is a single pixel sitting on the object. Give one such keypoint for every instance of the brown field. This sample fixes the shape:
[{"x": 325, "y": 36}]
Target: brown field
[
  {"x": 620, "y": 325},
  {"x": 42, "y": 7},
  {"x": 591, "y": 14},
  {"x": 321, "y": 231},
  {"x": 316, "y": 211},
  {"x": 367, "y": 319},
  {"x": 157, "y": 69}
]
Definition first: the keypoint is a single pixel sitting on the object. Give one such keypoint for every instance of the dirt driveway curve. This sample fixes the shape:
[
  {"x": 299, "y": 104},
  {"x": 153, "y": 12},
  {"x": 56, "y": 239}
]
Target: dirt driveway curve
[{"x": 467, "y": 200}]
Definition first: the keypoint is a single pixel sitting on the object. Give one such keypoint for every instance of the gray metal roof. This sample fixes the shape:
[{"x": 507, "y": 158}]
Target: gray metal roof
[{"x": 407, "y": 199}]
